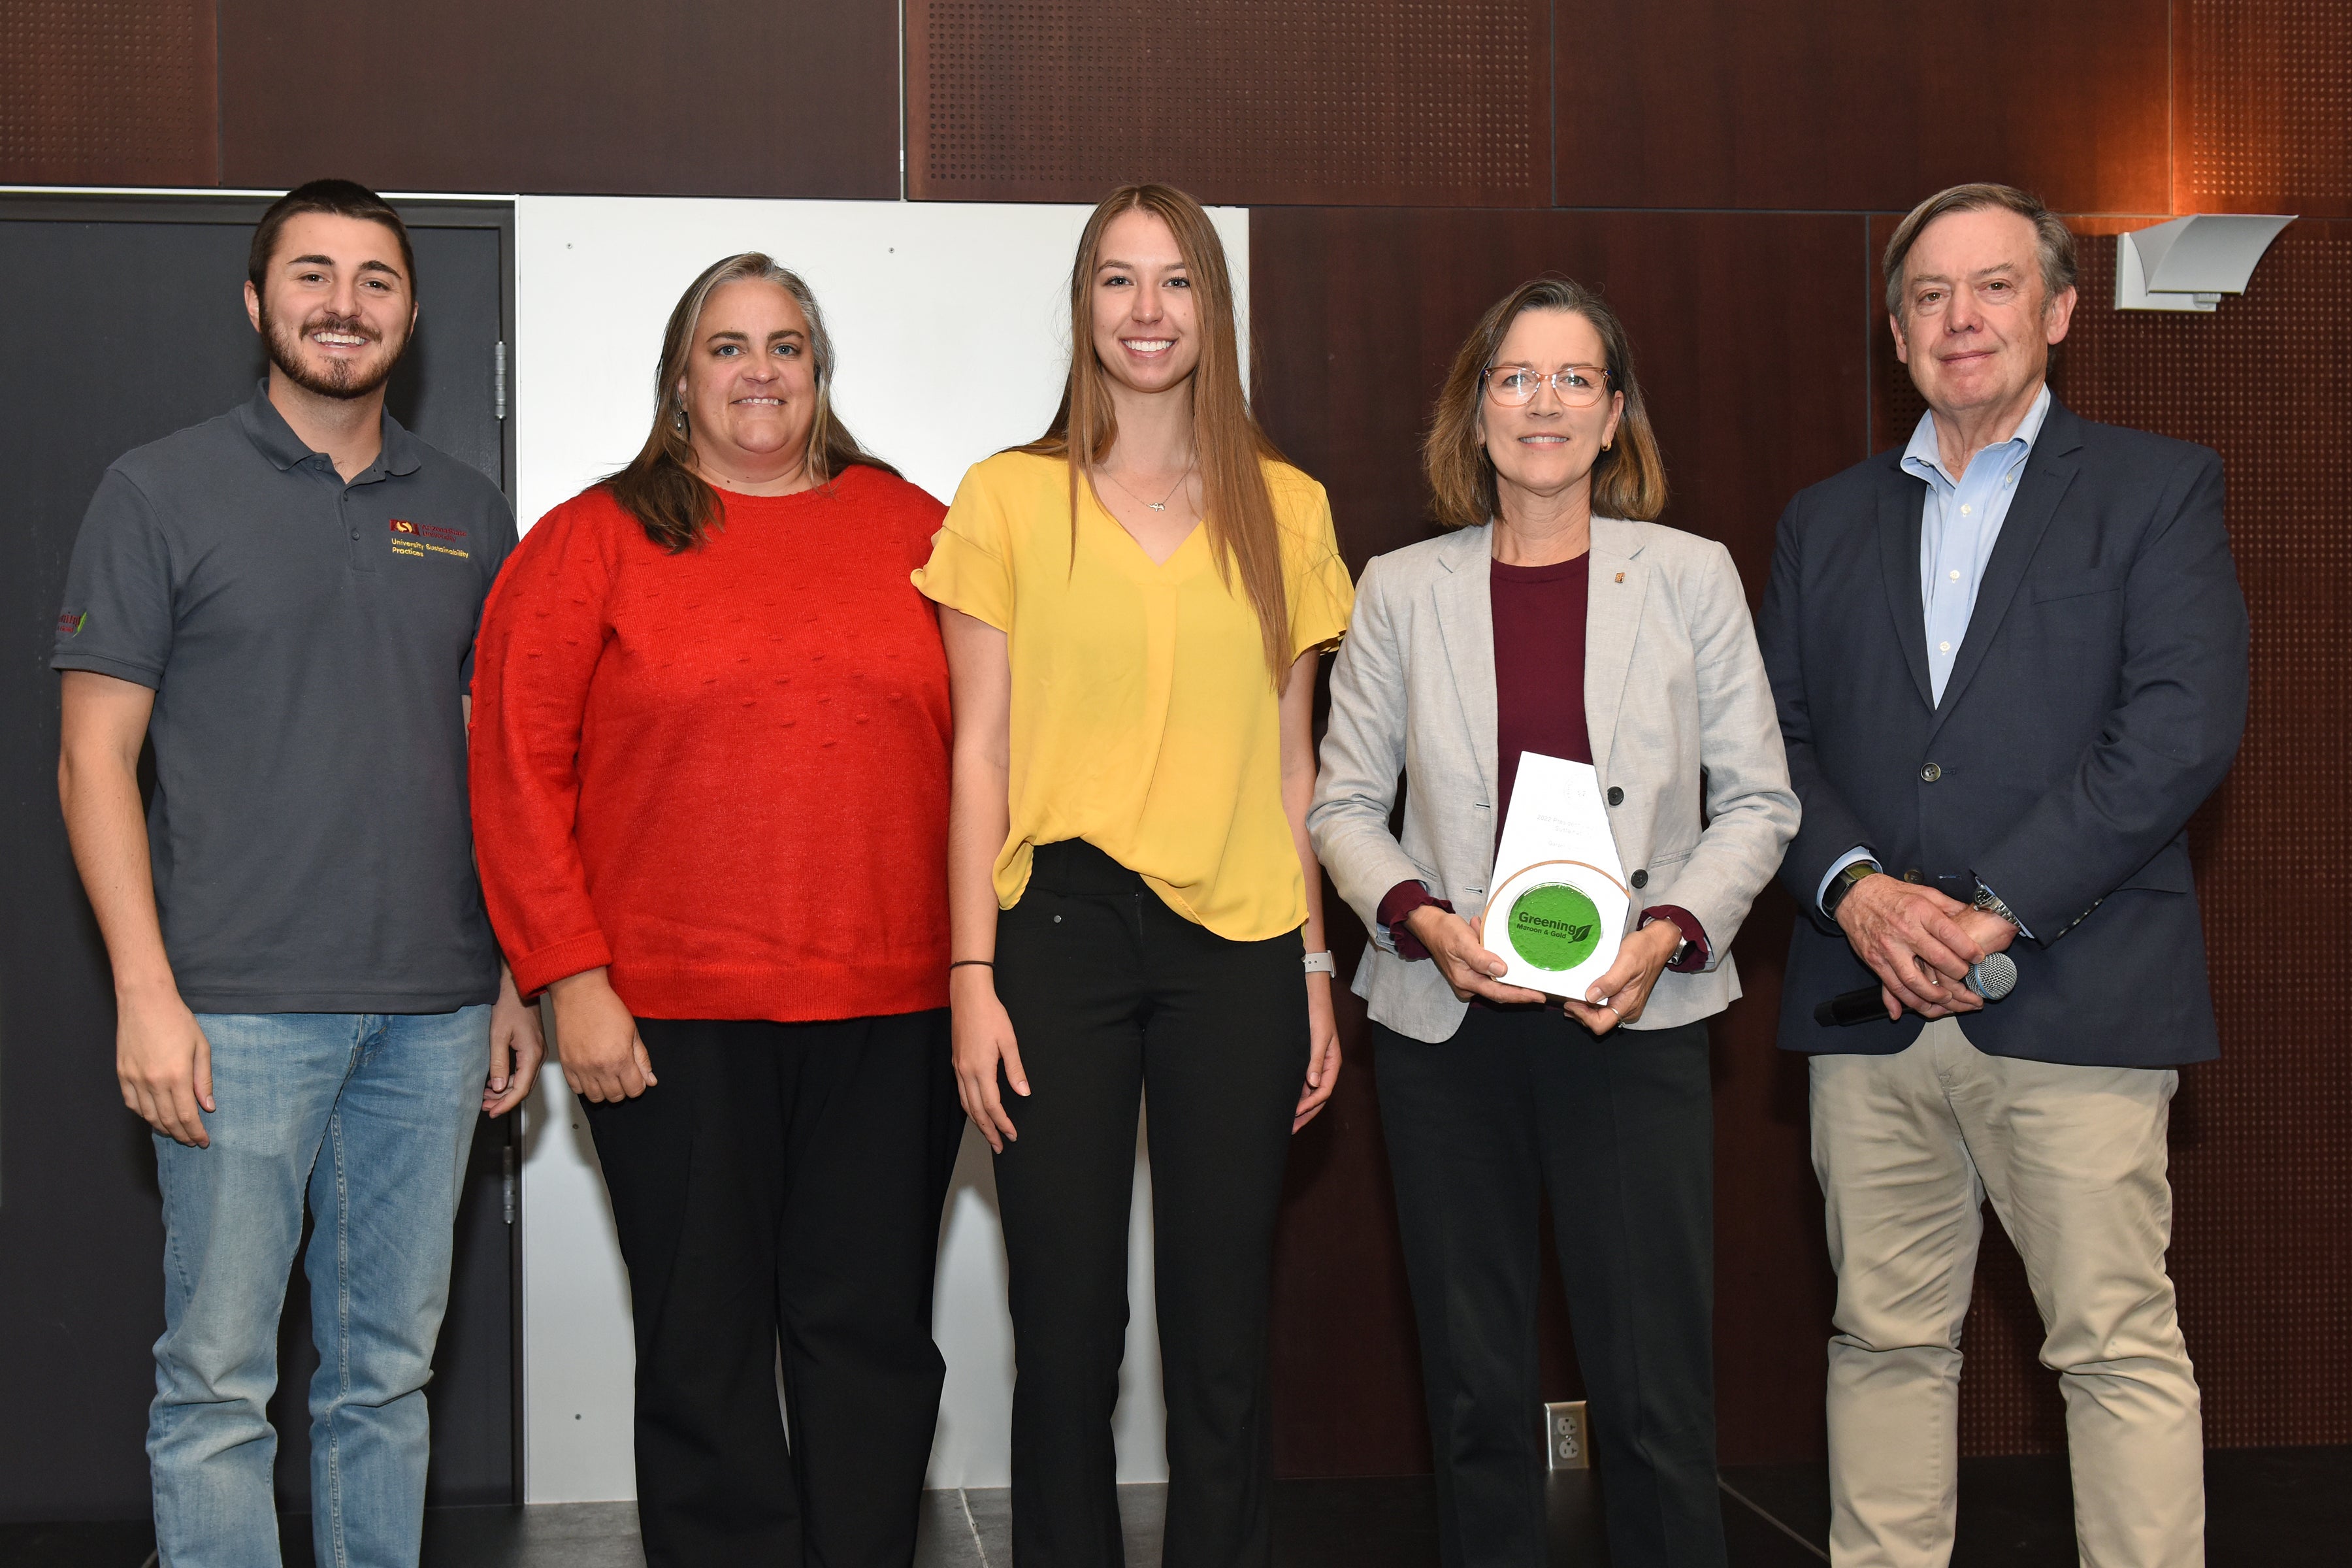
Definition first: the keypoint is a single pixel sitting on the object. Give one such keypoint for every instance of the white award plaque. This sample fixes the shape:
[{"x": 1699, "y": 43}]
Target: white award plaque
[{"x": 1556, "y": 903}]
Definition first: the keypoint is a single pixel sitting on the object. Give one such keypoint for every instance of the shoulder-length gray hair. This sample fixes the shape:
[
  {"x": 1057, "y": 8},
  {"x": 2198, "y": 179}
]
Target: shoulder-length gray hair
[{"x": 660, "y": 487}]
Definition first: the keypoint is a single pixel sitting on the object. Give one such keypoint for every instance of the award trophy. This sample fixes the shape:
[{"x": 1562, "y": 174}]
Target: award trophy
[{"x": 1556, "y": 903}]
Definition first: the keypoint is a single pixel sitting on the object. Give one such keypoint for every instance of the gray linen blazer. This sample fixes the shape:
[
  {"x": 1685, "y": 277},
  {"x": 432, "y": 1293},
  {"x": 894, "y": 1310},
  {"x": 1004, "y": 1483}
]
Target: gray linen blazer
[{"x": 1676, "y": 701}]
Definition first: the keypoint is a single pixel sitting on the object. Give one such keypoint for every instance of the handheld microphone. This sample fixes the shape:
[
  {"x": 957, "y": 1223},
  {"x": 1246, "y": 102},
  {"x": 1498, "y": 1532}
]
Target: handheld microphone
[{"x": 1993, "y": 979}]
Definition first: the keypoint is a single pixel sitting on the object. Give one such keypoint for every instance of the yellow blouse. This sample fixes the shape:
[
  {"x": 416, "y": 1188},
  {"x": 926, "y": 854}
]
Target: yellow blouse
[{"x": 1144, "y": 720}]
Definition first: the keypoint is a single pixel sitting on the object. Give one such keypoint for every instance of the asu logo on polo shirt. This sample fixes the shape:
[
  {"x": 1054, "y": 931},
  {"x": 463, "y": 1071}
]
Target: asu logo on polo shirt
[{"x": 422, "y": 539}]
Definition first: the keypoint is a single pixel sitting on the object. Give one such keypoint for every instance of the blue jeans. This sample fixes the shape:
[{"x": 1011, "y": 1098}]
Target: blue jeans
[{"x": 371, "y": 1115}]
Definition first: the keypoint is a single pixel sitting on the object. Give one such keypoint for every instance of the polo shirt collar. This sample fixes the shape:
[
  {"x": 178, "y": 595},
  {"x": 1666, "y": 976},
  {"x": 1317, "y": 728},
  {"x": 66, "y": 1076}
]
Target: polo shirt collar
[
  {"x": 268, "y": 430},
  {"x": 399, "y": 453}
]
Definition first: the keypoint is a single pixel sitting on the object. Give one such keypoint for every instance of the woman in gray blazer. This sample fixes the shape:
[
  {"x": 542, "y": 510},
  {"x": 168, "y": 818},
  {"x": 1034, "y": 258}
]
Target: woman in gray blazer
[{"x": 1548, "y": 622}]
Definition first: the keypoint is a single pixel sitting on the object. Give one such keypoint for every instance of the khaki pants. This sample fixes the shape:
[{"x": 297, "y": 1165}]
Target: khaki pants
[{"x": 1907, "y": 1147}]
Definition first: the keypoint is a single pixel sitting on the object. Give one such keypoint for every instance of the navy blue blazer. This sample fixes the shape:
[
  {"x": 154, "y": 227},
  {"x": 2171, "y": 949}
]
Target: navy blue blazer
[{"x": 2097, "y": 698}]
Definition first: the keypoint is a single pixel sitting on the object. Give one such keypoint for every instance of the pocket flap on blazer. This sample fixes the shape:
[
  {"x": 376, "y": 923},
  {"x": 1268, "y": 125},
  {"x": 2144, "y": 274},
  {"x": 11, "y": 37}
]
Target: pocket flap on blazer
[{"x": 2076, "y": 584}]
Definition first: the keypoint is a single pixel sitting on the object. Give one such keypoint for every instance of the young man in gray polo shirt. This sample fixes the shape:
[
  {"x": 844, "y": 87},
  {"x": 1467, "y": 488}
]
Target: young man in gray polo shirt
[{"x": 309, "y": 1001}]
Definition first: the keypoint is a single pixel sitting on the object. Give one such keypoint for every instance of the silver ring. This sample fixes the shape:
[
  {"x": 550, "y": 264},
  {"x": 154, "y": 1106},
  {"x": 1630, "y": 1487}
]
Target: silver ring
[{"x": 1612, "y": 1008}]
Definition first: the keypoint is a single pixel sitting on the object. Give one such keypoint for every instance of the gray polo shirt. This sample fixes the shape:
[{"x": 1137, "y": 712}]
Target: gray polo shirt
[{"x": 308, "y": 643}]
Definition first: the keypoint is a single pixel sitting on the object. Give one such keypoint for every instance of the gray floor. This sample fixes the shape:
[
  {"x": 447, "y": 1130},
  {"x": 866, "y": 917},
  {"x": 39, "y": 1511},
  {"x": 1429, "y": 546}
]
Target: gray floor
[
  {"x": 574, "y": 1535},
  {"x": 973, "y": 1529},
  {"x": 1363, "y": 1522},
  {"x": 2267, "y": 1508},
  {"x": 958, "y": 1529}
]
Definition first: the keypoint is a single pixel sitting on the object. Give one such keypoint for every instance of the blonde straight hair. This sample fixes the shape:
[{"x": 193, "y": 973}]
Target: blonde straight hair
[{"x": 1227, "y": 443}]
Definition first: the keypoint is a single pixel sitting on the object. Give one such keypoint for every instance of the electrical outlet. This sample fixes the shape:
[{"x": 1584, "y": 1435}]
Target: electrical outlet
[{"x": 1568, "y": 1441}]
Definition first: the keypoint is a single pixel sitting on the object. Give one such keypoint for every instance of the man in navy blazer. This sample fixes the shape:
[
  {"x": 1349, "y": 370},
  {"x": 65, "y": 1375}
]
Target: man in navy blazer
[{"x": 2010, "y": 662}]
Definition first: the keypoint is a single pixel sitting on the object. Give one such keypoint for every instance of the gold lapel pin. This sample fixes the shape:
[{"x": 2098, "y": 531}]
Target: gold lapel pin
[{"x": 1620, "y": 576}]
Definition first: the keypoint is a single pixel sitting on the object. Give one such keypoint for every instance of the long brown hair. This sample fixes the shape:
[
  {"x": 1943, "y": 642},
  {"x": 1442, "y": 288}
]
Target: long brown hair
[
  {"x": 1629, "y": 480},
  {"x": 660, "y": 487},
  {"x": 1227, "y": 443}
]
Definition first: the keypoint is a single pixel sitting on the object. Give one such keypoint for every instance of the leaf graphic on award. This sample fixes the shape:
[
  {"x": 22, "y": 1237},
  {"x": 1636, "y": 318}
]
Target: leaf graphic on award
[{"x": 1557, "y": 924}]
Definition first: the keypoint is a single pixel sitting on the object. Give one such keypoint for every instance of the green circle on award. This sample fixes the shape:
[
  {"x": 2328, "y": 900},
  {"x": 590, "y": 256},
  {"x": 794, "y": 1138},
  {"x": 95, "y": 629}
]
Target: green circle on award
[{"x": 1554, "y": 926}]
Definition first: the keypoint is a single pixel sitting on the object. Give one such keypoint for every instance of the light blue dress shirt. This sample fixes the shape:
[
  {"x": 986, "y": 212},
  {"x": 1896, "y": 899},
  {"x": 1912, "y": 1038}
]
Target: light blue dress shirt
[{"x": 1958, "y": 525}]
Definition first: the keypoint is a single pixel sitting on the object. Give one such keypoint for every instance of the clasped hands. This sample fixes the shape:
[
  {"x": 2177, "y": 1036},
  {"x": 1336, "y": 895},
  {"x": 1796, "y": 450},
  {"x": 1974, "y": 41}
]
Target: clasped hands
[
  {"x": 1617, "y": 997},
  {"x": 1919, "y": 943}
]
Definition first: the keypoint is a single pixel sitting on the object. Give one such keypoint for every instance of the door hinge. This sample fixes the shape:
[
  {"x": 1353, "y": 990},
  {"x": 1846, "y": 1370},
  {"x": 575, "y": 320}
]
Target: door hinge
[
  {"x": 498, "y": 380},
  {"x": 507, "y": 1163}
]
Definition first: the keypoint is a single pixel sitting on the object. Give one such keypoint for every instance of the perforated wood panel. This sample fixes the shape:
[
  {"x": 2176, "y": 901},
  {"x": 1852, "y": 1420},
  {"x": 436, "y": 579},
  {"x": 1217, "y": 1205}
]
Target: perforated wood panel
[
  {"x": 2261, "y": 1140},
  {"x": 2264, "y": 101},
  {"x": 1860, "y": 104},
  {"x": 1436, "y": 102},
  {"x": 108, "y": 92}
]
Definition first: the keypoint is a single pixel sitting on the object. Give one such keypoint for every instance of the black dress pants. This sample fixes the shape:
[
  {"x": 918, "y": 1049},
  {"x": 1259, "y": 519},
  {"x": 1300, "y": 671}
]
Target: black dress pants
[
  {"x": 781, "y": 1188},
  {"x": 1619, "y": 1131},
  {"x": 1114, "y": 998}
]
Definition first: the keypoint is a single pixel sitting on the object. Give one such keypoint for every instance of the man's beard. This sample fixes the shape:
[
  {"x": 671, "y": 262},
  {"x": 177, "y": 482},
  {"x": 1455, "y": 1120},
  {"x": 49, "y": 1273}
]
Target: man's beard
[{"x": 343, "y": 378}]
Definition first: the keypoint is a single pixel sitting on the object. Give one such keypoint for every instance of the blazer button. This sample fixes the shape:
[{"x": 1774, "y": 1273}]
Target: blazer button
[
  {"x": 1913, "y": 875},
  {"x": 1616, "y": 795},
  {"x": 1640, "y": 879},
  {"x": 1931, "y": 772}
]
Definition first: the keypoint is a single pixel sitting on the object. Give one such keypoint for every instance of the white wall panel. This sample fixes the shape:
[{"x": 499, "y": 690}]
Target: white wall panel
[{"x": 950, "y": 324}]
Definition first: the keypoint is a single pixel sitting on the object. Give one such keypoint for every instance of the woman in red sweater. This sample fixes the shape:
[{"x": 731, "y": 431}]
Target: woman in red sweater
[{"x": 710, "y": 773}]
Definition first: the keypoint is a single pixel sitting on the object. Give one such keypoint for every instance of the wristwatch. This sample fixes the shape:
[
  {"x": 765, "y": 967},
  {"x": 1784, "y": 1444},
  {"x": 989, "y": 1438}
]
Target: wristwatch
[
  {"x": 1842, "y": 883},
  {"x": 1990, "y": 902},
  {"x": 1682, "y": 944},
  {"x": 1321, "y": 964}
]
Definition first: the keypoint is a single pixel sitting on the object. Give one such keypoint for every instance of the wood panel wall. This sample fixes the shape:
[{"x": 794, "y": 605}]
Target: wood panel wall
[
  {"x": 2263, "y": 107},
  {"x": 1339, "y": 101},
  {"x": 1725, "y": 169},
  {"x": 1860, "y": 103},
  {"x": 2110, "y": 106},
  {"x": 723, "y": 98},
  {"x": 108, "y": 92},
  {"x": 727, "y": 97}
]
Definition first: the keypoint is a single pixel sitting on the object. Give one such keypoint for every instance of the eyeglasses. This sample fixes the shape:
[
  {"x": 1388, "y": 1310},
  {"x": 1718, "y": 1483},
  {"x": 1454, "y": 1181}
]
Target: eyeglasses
[{"x": 1577, "y": 386}]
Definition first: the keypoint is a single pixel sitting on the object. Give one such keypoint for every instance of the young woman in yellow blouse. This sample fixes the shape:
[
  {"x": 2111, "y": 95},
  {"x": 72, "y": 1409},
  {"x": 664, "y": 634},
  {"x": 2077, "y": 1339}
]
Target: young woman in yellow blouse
[{"x": 1133, "y": 607}]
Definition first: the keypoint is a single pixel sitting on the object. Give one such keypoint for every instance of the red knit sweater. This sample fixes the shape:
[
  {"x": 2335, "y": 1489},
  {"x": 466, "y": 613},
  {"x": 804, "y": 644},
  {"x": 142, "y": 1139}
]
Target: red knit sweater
[{"x": 723, "y": 773}]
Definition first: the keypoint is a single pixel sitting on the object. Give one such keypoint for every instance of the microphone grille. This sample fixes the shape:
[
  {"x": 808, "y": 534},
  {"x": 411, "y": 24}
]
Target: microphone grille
[{"x": 1995, "y": 977}]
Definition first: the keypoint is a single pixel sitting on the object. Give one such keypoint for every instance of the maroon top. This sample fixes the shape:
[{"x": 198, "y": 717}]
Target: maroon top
[
  {"x": 1538, "y": 666},
  {"x": 1540, "y": 613}
]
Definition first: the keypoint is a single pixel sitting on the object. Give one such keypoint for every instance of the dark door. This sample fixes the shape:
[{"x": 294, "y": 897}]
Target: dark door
[{"x": 122, "y": 320}]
